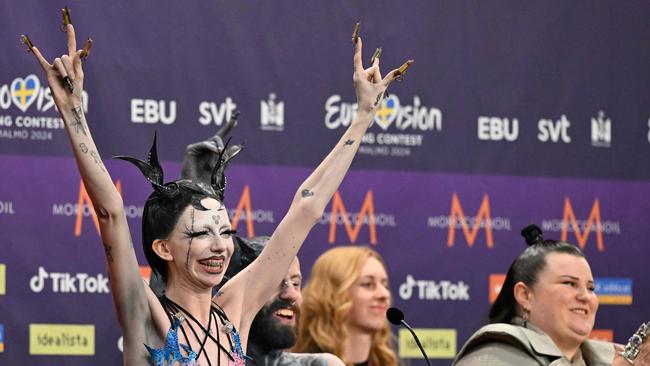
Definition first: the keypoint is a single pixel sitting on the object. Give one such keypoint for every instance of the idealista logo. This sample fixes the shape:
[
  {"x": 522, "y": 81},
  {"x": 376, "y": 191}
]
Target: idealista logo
[
  {"x": 614, "y": 291},
  {"x": 62, "y": 339},
  {"x": 457, "y": 220},
  {"x": 69, "y": 283},
  {"x": 25, "y": 93},
  {"x": 434, "y": 290},
  {"x": 437, "y": 343},
  {"x": 414, "y": 118},
  {"x": 272, "y": 114},
  {"x": 582, "y": 228},
  {"x": 3, "y": 279},
  {"x": 601, "y": 131}
]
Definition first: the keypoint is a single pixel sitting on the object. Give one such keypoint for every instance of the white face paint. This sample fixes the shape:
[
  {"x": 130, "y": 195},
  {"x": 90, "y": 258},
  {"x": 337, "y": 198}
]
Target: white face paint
[{"x": 201, "y": 245}]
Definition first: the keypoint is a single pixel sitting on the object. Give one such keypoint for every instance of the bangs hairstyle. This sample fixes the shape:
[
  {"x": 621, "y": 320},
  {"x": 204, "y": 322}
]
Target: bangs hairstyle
[
  {"x": 326, "y": 306},
  {"x": 160, "y": 216},
  {"x": 526, "y": 268}
]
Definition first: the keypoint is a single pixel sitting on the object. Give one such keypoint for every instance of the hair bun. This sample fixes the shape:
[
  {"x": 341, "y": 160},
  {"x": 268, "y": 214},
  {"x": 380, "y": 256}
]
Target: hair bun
[{"x": 533, "y": 234}]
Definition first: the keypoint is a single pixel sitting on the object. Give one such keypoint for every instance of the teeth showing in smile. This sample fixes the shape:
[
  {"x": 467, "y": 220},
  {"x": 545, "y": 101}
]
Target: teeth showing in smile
[
  {"x": 285, "y": 313},
  {"x": 580, "y": 311},
  {"x": 212, "y": 263}
]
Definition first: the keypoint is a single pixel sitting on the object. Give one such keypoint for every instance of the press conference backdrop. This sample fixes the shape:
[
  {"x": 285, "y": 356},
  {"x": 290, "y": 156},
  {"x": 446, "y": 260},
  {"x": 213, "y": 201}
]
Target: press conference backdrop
[{"x": 513, "y": 113}]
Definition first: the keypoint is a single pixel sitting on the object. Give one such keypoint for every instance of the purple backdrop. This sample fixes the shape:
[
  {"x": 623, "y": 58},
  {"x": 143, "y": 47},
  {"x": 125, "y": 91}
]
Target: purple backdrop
[{"x": 513, "y": 113}]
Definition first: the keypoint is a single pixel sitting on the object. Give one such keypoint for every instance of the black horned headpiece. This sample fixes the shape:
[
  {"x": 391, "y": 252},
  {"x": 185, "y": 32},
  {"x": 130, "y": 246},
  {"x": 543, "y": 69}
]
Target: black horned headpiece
[{"x": 152, "y": 170}]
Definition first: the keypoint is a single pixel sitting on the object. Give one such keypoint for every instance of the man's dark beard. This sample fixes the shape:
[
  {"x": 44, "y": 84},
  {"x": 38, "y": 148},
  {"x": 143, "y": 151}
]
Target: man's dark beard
[{"x": 267, "y": 333}]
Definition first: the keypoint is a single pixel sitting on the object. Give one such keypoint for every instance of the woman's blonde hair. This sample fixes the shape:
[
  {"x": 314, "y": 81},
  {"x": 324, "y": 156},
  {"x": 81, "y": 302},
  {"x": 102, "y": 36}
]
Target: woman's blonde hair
[{"x": 327, "y": 304}]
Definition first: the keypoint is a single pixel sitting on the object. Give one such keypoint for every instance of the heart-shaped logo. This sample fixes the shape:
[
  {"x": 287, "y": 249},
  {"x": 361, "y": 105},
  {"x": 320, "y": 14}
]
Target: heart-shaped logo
[
  {"x": 24, "y": 91},
  {"x": 387, "y": 111}
]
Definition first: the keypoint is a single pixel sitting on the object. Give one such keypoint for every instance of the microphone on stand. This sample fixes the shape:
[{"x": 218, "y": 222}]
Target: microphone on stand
[{"x": 396, "y": 316}]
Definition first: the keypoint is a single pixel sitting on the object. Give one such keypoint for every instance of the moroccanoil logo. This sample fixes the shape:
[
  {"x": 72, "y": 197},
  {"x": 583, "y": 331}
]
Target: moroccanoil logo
[
  {"x": 62, "y": 339},
  {"x": 353, "y": 221},
  {"x": 3, "y": 279},
  {"x": 437, "y": 343},
  {"x": 470, "y": 225},
  {"x": 580, "y": 228},
  {"x": 367, "y": 211},
  {"x": 245, "y": 212},
  {"x": 84, "y": 208}
]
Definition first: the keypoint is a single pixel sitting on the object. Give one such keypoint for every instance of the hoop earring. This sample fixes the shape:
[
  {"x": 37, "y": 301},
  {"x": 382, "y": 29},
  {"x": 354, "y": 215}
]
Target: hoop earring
[{"x": 525, "y": 317}]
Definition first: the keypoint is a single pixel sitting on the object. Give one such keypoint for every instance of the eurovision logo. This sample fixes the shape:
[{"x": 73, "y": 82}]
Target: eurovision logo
[
  {"x": 403, "y": 126},
  {"x": 24, "y": 91}
]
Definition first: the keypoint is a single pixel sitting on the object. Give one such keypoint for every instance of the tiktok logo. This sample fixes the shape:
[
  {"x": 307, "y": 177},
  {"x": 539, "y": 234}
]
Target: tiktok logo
[{"x": 62, "y": 282}]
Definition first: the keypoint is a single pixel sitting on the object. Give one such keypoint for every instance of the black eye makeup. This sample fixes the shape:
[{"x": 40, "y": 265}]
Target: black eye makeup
[
  {"x": 191, "y": 234},
  {"x": 228, "y": 232}
]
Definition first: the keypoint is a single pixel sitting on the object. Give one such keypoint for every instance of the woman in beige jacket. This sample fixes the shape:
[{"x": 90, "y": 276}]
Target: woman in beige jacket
[{"x": 544, "y": 313}]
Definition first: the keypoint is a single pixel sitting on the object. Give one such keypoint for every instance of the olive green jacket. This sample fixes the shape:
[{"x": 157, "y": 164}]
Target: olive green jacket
[{"x": 506, "y": 344}]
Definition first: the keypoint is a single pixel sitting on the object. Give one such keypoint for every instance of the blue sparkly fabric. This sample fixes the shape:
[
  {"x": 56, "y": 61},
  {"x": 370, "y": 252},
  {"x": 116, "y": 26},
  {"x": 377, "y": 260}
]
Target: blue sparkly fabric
[{"x": 170, "y": 353}]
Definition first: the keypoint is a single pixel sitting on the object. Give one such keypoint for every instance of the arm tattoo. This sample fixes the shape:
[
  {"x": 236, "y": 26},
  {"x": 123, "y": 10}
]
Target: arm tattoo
[
  {"x": 83, "y": 147},
  {"x": 307, "y": 193},
  {"x": 97, "y": 160},
  {"x": 78, "y": 121},
  {"x": 107, "y": 250},
  {"x": 349, "y": 142}
]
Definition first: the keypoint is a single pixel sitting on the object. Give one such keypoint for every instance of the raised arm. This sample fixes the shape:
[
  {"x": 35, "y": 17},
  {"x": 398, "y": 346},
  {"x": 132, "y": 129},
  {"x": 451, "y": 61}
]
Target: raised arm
[
  {"x": 65, "y": 77},
  {"x": 261, "y": 279}
]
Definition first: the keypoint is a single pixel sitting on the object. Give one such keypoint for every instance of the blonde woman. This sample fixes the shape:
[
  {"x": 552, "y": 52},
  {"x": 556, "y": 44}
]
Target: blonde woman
[{"x": 344, "y": 308}]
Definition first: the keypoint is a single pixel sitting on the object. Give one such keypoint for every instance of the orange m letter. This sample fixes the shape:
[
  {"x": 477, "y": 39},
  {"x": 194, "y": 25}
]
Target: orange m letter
[
  {"x": 84, "y": 199},
  {"x": 482, "y": 214},
  {"x": 367, "y": 210},
  {"x": 594, "y": 215},
  {"x": 244, "y": 203}
]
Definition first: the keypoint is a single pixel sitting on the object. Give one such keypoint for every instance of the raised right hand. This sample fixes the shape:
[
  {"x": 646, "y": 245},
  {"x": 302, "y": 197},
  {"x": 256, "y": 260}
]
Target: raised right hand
[{"x": 68, "y": 65}]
